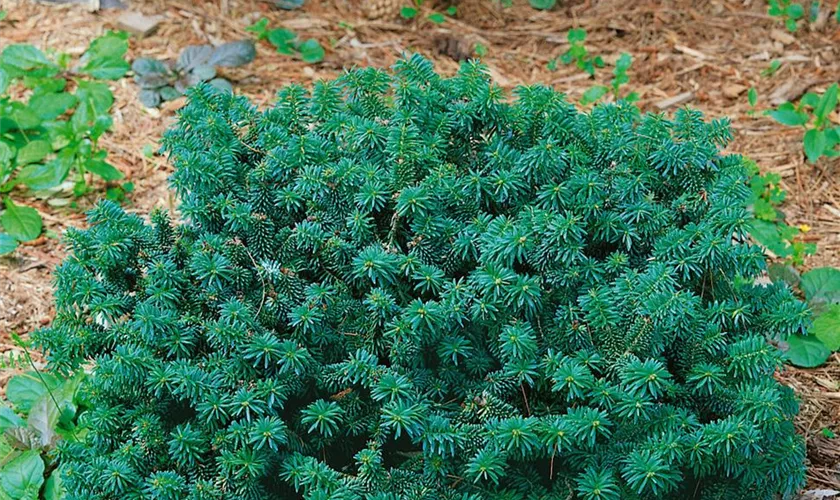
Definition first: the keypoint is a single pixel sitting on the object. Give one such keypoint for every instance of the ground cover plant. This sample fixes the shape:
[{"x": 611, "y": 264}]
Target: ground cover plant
[
  {"x": 161, "y": 81},
  {"x": 53, "y": 134},
  {"x": 405, "y": 286}
]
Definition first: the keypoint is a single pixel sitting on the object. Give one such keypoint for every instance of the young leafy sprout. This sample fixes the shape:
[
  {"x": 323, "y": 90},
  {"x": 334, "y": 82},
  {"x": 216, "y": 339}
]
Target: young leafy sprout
[
  {"x": 620, "y": 78},
  {"x": 812, "y": 113},
  {"x": 578, "y": 54},
  {"x": 397, "y": 285},
  {"x": 788, "y": 11},
  {"x": 287, "y": 42}
]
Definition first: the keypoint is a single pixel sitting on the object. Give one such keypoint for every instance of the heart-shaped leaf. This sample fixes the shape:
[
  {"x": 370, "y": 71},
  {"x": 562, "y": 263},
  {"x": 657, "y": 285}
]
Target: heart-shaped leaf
[
  {"x": 806, "y": 352},
  {"x": 104, "y": 169},
  {"x": 33, "y": 152},
  {"x": 826, "y": 327},
  {"x": 46, "y": 175},
  {"x": 20, "y": 222},
  {"x": 822, "y": 285},
  {"x": 22, "y": 477}
]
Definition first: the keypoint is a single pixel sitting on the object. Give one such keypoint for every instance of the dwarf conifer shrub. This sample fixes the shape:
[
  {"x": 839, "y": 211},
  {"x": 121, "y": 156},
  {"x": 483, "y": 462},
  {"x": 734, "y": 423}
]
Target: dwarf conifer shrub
[{"x": 403, "y": 286}]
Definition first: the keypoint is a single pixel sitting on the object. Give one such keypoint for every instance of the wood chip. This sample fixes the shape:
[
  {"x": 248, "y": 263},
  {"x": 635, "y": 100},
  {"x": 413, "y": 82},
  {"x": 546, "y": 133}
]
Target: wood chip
[
  {"x": 675, "y": 101},
  {"x": 733, "y": 90},
  {"x": 691, "y": 52},
  {"x": 139, "y": 24},
  {"x": 782, "y": 37}
]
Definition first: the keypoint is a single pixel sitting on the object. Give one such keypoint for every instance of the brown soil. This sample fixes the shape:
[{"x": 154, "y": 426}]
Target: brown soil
[{"x": 711, "y": 51}]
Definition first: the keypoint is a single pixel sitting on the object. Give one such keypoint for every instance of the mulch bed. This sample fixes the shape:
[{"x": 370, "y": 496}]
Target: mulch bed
[{"x": 706, "y": 52}]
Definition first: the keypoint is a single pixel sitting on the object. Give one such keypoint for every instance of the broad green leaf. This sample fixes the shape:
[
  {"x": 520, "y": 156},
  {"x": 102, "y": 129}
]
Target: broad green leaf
[
  {"x": 593, "y": 93},
  {"x": 826, "y": 327},
  {"x": 53, "y": 489},
  {"x": 4, "y": 81},
  {"x": 104, "y": 58},
  {"x": 51, "y": 105},
  {"x": 543, "y": 4},
  {"x": 9, "y": 419},
  {"x": 822, "y": 285},
  {"x": 408, "y": 12},
  {"x": 283, "y": 40},
  {"x": 789, "y": 117},
  {"x": 806, "y": 352},
  {"x": 827, "y": 104},
  {"x": 24, "y": 59},
  {"x": 311, "y": 51},
  {"x": 437, "y": 18},
  {"x": 7, "y": 244},
  {"x": 104, "y": 169},
  {"x": 32, "y": 152},
  {"x": 814, "y": 142},
  {"x": 7, "y": 154},
  {"x": 46, "y": 175},
  {"x": 810, "y": 100},
  {"x": 767, "y": 235},
  {"x": 25, "y": 389},
  {"x": 22, "y": 477},
  {"x": 21, "y": 222},
  {"x": 46, "y": 412},
  {"x": 95, "y": 99},
  {"x": 752, "y": 96}
]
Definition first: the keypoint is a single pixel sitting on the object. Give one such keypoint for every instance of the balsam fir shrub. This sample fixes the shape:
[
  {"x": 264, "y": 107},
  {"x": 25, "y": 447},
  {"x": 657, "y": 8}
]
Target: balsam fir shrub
[{"x": 403, "y": 286}]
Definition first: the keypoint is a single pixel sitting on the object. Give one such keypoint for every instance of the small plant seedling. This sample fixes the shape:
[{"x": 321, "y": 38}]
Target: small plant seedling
[
  {"x": 768, "y": 227},
  {"x": 287, "y": 42},
  {"x": 480, "y": 50},
  {"x": 620, "y": 78},
  {"x": 812, "y": 114},
  {"x": 771, "y": 70},
  {"x": 821, "y": 289},
  {"x": 787, "y": 11},
  {"x": 408, "y": 12},
  {"x": 437, "y": 18},
  {"x": 828, "y": 433},
  {"x": 161, "y": 81},
  {"x": 578, "y": 54}
]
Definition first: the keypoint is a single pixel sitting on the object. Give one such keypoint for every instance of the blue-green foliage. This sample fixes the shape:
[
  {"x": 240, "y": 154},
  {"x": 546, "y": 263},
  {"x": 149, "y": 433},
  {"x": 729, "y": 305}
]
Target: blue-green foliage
[{"x": 400, "y": 286}]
